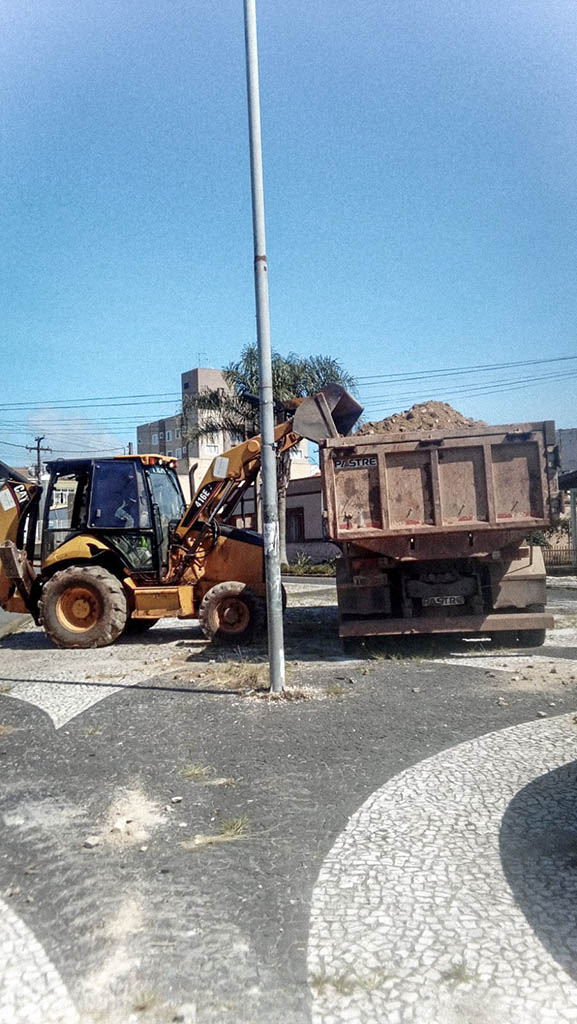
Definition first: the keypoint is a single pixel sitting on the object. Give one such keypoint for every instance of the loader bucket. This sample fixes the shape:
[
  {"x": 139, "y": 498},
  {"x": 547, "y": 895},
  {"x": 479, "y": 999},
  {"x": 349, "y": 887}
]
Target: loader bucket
[
  {"x": 330, "y": 413},
  {"x": 17, "y": 493}
]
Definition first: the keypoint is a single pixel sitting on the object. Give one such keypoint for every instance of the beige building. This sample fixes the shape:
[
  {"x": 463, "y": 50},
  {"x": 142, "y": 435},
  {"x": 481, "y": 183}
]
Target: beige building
[
  {"x": 304, "y": 519},
  {"x": 164, "y": 436}
]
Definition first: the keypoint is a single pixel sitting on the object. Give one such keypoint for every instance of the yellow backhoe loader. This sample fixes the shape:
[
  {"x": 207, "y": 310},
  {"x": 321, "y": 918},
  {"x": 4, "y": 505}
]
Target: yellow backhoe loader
[{"x": 120, "y": 550}]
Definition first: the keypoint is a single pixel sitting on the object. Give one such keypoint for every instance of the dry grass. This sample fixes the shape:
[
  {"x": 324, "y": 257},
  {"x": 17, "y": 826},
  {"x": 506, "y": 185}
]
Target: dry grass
[
  {"x": 347, "y": 984},
  {"x": 144, "y": 1002},
  {"x": 5, "y": 730},
  {"x": 334, "y": 690},
  {"x": 6, "y": 687},
  {"x": 195, "y": 772},
  {"x": 201, "y": 773},
  {"x": 230, "y": 831}
]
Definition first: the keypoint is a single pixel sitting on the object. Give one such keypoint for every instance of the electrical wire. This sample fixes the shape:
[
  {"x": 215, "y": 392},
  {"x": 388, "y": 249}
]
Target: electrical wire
[
  {"x": 458, "y": 370},
  {"x": 154, "y": 398}
]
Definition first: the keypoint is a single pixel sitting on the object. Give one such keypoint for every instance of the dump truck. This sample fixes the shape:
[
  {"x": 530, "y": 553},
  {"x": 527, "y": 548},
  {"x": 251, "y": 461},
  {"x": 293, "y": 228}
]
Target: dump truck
[
  {"x": 120, "y": 549},
  {"x": 434, "y": 530}
]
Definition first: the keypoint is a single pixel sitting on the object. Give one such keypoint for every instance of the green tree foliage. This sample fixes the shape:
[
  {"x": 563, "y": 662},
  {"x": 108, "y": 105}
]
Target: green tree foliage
[{"x": 235, "y": 409}]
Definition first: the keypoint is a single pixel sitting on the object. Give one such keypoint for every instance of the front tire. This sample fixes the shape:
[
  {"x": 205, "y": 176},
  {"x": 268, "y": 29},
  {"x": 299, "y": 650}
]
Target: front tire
[
  {"x": 230, "y": 612},
  {"x": 83, "y": 606}
]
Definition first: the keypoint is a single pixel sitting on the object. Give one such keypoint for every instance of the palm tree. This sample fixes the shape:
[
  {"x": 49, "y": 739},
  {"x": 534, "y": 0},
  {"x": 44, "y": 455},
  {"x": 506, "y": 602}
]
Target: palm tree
[{"x": 236, "y": 412}]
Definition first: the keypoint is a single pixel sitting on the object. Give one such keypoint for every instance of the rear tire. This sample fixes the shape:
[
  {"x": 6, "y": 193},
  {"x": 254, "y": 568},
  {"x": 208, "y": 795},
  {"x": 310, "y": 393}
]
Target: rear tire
[
  {"x": 231, "y": 612},
  {"x": 83, "y": 606}
]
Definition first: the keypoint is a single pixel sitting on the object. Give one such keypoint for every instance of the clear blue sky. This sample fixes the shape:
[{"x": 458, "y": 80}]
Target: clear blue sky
[{"x": 420, "y": 173}]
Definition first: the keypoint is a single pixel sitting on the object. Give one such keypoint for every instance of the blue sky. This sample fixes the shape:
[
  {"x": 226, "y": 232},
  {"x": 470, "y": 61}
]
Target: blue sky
[{"x": 420, "y": 172}]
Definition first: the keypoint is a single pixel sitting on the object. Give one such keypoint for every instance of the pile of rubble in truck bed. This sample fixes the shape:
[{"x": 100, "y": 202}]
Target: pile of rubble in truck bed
[{"x": 421, "y": 418}]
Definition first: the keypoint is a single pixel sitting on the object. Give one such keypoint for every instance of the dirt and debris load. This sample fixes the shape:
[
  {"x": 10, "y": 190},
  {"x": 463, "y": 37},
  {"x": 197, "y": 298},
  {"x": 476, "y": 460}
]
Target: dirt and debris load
[{"x": 422, "y": 417}]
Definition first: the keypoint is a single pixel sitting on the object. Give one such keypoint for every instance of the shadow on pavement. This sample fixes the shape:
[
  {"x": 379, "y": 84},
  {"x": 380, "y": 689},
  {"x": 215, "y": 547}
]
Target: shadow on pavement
[
  {"x": 538, "y": 846},
  {"x": 311, "y": 634}
]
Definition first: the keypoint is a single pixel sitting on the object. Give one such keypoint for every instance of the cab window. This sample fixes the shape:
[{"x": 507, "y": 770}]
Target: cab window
[{"x": 119, "y": 500}]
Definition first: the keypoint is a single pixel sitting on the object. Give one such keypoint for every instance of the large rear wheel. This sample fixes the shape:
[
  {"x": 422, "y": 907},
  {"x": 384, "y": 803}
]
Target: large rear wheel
[
  {"x": 231, "y": 612},
  {"x": 83, "y": 606}
]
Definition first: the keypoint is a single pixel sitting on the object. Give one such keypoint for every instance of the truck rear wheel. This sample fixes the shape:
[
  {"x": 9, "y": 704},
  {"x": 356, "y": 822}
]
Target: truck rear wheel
[
  {"x": 230, "y": 612},
  {"x": 83, "y": 606}
]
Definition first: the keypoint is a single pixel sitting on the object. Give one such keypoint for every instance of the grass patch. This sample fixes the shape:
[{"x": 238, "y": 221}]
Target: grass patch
[
  {"x": 202, "y": 774},
  {"x": 5, "y": 730},
  {"x": 303, "y": 566},
  {"x": 243, "y": 675},
  {"x": 92, "y": 731},
  {"x": 334, "y": 691},
  {"x": 195, "y": 772},
  {"x": 6, "y": 687},
  {"x": 230, "y": 831},
  {"x": 348, "y": 984},
  {"x": 457, "y": 975},
  {"x": 144, "y": 1002}
]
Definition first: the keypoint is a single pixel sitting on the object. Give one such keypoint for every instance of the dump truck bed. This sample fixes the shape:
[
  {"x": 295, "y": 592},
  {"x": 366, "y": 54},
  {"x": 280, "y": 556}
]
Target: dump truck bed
[{"x": 417, "y": 495}]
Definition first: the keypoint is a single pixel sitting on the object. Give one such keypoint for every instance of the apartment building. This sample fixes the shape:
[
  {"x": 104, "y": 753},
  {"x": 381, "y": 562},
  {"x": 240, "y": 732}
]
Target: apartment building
[
  {"x": 567, "y": 441},
  {"x": 165, "y": 436}
]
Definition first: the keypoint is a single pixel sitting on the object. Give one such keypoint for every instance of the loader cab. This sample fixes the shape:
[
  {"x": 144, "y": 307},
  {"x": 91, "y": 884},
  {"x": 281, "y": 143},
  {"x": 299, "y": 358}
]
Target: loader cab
[{"x": 127, "y": 502}]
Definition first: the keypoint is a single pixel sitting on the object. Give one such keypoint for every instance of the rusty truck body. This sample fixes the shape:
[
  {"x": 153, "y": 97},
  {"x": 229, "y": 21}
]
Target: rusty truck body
[{"x": 433, "y": 529}]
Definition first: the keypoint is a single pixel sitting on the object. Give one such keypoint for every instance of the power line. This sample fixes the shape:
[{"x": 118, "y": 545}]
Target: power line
[
  {"x": 458, "y": 370},
  {"x": 121, "y": 401},
  {"x": 11, "y": 445},
  {"x": 58, "y": 428},
  {"x": 63, "y": 403},
  {"x": 463, "y": 393}
]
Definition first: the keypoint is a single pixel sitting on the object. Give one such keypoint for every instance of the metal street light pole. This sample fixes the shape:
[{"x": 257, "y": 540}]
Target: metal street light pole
[{"x": 270, "y": 526}]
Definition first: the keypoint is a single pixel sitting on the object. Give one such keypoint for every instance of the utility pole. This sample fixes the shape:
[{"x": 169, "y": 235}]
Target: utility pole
[
  {"x": 36, "y": 448},
  {"x": 573, "y": 506},
  {"x": 130, "y": 448},
  {"x": 270, "y": 526}
]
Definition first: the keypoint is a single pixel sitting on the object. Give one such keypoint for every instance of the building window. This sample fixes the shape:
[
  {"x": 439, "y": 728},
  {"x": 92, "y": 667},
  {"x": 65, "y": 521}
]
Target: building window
[
  {"x": 185, "y": 386},
  {"x": 155, "y": 438},
  {"x": 179, "y": 453},
  {"x": 169, "y": 435},
  {"x": 169, "y": 453},
  {"x": 161, "y": 435},
  {"x": 295, "y": 525},
  {"x": 211, "y": 449},
  {"x": 177, "y": 434}
]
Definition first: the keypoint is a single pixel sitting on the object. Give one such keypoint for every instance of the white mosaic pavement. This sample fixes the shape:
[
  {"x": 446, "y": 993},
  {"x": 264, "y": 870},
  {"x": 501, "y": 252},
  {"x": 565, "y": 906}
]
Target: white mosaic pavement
[
  {"x": 65, "y": 683},
  {"x": 31, "y": 990},
  {"x": 414, "y": 920}
]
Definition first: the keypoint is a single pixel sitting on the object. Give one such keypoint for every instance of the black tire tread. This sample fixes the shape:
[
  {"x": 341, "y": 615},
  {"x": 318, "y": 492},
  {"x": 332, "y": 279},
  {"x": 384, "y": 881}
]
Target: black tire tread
[
  {"x": 102, "y": 634},
  {"x": 228, "y": 588}
]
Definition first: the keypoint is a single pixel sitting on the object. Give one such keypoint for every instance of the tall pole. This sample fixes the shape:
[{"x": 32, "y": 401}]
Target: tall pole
[
  {"x": 36, "y": 448},
  {"x": 270, "y": 525},
  {"x": 573, "y": 499}
]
